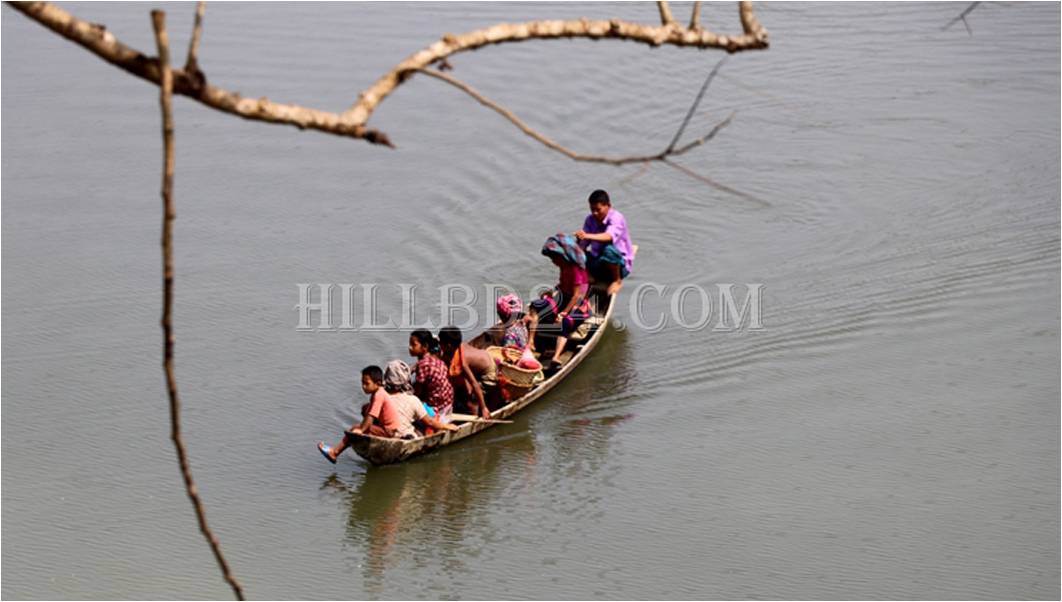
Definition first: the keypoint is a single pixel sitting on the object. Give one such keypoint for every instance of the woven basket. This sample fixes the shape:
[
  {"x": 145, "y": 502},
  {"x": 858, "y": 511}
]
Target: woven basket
[
  {"x": 506, "y": 358},
  {"x": 510, "y": 392}
]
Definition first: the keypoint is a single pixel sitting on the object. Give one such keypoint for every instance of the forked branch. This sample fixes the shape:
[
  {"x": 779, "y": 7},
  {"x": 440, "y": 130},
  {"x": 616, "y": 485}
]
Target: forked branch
[
  {"x": 962, "y": 17},
  {"x": 192, "y": 83},
  {"x": 551, "y": 144},
  {"x": 755, "y": 37},
  {"x": 96, "y": 39}
]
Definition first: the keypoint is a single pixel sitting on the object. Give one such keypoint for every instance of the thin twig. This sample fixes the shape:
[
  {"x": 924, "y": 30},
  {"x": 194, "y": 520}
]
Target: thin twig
[
  {"x": 749, "y": 23},
  {"x": 665, "y": 13},
  {"x": 641, "y": 170},
  {"x": 158, "y": 20},
  {"x": 192, "y": 65},
  {"x": 549, "y": 143},
  {"x": 962, "y": 17},
  {"x": 689, "y": 172},
  {"x": 696, "y": 102},
  {"x": 695, "y": 17},
  {"x": 705, "y": 138}
]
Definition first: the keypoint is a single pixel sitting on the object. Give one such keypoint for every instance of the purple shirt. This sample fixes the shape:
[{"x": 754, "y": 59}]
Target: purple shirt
[{"x": 616, "y": 226}]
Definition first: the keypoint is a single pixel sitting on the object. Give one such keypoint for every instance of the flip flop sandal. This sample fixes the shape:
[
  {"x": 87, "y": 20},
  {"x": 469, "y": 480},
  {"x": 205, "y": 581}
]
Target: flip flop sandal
[{"x": 326, "y": 452}]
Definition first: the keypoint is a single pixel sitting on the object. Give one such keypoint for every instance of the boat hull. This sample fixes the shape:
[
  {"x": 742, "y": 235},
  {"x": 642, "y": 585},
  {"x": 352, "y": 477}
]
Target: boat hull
[{"x": 380, "y": 451}]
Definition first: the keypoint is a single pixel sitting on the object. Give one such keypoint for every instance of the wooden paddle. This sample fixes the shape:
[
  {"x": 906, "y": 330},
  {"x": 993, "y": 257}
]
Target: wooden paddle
[{"x": 471, "y": 418}]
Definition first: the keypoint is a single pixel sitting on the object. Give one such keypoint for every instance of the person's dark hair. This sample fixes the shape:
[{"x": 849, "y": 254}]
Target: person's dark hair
[
  {"x": 600, "y": 197},
  {"x": 450, "y": 336},
  {"x": 375, "y": 373},
  {"x": 425, "y": 338}
]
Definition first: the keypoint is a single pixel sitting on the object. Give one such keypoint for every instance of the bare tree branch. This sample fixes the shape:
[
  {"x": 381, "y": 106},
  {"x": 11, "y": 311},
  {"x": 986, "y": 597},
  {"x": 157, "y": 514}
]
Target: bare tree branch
[
  {"x": 962, "y": 17},
  {"x": 665, "y": 13},
  {"x": 351, "y": 123},
  {"x": 689, "y": 172},
  {"x": 158, "y": 19},
  {"x": 750, "y": 24},
  {"x": 548, "y": 30},
  {"x": 705, "y": 138},
  {"x": 96, "y": 39},
  {"x": 695, "y": 18},
  {"x": 549, "y": 143},
  {"x": 191, "y": 65},
  {"x": 696, "y": 102},
  {"x": 641, "y": 170}
]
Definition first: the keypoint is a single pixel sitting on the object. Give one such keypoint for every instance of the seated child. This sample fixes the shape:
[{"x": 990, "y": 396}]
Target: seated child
[
  {"x": 381, "y": 417},
  {"x": 432, "y": 382},
  {"x": 467, "y": 366},
  {"x": 610, "y": 255},
  {"x": 511, "y": 313}
]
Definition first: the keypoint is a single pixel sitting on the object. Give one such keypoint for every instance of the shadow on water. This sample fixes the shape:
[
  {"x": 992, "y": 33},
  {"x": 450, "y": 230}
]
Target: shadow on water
[{"x": 418, "y": 514}]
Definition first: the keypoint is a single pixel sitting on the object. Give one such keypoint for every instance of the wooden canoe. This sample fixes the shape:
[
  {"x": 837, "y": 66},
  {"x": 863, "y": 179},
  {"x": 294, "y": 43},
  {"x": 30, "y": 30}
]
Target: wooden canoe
[{"x": 379, "y": 450}]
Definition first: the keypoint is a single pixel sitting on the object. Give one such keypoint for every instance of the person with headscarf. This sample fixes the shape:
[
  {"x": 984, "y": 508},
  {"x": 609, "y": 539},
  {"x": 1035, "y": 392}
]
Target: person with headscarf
[
  {"x": 511, "y": 314},
  {"x": 412, "y": 412},
  {"x": 567, "y": 305}
]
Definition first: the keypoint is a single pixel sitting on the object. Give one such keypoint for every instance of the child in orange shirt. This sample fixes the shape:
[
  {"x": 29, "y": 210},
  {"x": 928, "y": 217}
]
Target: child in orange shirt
[{"x": 381, "y": 416}]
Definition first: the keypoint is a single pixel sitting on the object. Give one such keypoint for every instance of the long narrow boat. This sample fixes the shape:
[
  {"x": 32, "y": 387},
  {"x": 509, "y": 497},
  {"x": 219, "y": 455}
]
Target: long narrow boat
[{"x": 380, "y": 450}]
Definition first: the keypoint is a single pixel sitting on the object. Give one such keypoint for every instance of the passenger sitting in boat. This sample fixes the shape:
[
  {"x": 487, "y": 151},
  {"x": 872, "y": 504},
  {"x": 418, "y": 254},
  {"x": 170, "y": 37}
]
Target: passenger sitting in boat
[
  {"x": 609, "y": 252},
  {"x": 511, "y": 314},
  {"x": 568, "y": 305},
  {"x": 412, "y": 411},
  {"x": 381, "y": 418},
  {"x": 431, "y": 382},
  {"x": 467, "y": 366}
]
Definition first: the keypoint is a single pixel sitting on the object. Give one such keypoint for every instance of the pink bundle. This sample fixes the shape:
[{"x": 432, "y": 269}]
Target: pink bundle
[
  {"x": 508, "y": 305},
  {"x": 527, "y": 361}
]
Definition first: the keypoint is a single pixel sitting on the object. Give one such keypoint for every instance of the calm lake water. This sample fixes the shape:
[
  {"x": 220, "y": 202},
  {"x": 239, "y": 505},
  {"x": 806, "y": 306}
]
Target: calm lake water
[{"x": 893, "y": 432}]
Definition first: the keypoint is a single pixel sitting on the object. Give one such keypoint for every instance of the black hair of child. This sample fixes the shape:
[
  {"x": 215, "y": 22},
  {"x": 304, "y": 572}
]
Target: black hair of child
[
  {"x": 426, "y": 339},
  {"x": 375, "y": 373},
  {"x": 599, "y": 197},
  {"x": 450, "y": 336}
]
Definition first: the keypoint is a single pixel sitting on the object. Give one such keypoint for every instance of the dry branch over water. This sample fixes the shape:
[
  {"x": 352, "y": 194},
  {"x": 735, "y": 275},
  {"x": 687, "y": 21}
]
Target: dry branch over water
[
  {"x": 169, "y": 213},
  {"x": 96, "y": 39},
  {"x": 352, "y": 122},
  {"x": 549, "y": 143},
  {"x": 962, "y": 17},
  {"x": 192, "y": 83}
]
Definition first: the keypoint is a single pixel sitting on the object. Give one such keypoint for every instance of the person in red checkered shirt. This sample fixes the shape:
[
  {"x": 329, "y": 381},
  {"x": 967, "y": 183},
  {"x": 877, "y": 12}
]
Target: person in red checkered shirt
[{"x": 432, "y": 383}]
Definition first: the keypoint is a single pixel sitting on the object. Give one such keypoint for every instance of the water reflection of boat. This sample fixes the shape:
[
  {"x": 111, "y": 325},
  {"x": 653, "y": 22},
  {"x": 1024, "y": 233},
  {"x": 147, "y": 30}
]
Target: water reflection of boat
[
  {"x": 379, "y": 450},
  {"x": 418, "y": 512}
]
